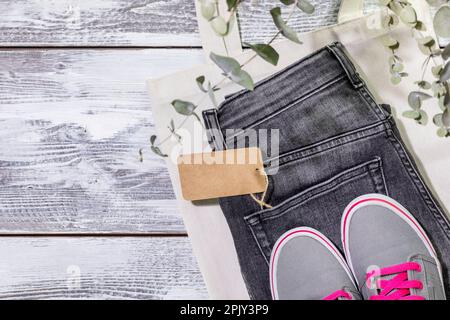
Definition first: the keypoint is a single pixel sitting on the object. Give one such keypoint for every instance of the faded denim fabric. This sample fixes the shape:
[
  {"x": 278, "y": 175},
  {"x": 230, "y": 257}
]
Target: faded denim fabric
[{"x": 336, "y": 144}]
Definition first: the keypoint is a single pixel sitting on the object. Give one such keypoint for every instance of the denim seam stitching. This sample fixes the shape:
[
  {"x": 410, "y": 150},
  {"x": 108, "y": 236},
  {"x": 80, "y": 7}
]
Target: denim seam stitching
[
  {"x": 352, "y": 173},
  {"x": 250, "y": 226},
  {"x": 303, "y": 155},
  {"x": 290, "y": 105},
  {"x": 363, "y": 92},
  {"x": 344, "y": 66},
  {"x": 441, "y": 217},
  {"x": 384, "y": 178}
]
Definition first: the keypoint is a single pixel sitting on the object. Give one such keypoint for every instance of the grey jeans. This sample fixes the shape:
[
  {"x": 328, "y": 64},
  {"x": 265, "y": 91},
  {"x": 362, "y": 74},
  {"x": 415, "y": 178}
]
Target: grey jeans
[{"x": 335, "y": 143}]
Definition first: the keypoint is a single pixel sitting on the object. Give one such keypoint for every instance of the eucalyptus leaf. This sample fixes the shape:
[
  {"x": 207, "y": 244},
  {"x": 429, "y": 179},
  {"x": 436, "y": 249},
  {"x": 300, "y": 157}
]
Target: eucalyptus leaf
[
  {"x": 423, "y": 119},
  {"x": 420, "y": 26},
  {"x": 227, "y": 64},
  {"x": 389, "y": 41},
  {"x": 305, "y": 6},
  {"x": 232, "y": 70},
  {"x": 158, "y": 151},
  {"x": 208, "y": 9},
  {"x": 415, "y": 99},
  {"x": 446, "y": 52},
  {"x": 266, "y": 52},
  {"x": 231, "y": 4},
  {"x": 436, "y": 70},
  {"x": 446, "y": 118},
  {"x": 423, "y": 84},
  {"x": 411, "y": 114},
  {"x": 397, "y": 67},
  {"x": 441, "y": 22},
  {"x": 396, "y": 79},
  {"x": 285, "y": 30},
  {"x": 427, "y": 41},
  {"x": 445, "y": 73},
  {"x": 441, "y": 132},
  {"x": 152, "y": 139},
  {"x": 185, "y": 108},
  {"x": 244, "y": 79},
  {"x": 287, "y": 2},
  {"x": 219, "y": 25},
  {"x": 408, "y": 15},
  {"x": 200, "y": 81},
  {"x": 437, "y": 120}
]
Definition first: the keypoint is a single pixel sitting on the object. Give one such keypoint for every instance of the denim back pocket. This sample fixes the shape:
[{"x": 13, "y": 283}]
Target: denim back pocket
[{"x": 319, "y": 207}]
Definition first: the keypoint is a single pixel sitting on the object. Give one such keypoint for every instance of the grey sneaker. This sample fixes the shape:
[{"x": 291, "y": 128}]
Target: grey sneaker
[
  {"x": 305, "y": 265},
  {"x": 388, "y": 252}
]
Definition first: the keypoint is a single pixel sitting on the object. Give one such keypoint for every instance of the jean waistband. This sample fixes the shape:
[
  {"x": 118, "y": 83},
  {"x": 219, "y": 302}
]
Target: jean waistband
[{"x": 315, "y": 70}]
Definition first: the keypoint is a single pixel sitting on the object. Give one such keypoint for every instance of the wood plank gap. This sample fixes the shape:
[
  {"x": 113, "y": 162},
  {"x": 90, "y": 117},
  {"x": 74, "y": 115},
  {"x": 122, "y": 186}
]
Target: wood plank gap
[{"x": 95, "y": 234}]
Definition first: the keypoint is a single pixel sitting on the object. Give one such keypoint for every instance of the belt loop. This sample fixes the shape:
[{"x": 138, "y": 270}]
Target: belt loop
[
  {"x": 339, "y": 52},
  {"x": 213, "y": 130}
]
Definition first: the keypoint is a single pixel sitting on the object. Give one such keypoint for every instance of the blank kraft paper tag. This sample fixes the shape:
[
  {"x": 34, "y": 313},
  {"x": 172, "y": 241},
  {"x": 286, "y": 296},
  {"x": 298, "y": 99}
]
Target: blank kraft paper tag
[{"x": 221, "y": 174}]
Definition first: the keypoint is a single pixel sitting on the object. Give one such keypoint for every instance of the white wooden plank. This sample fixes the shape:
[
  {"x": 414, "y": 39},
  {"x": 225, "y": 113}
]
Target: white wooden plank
[
  {"x": 134, "y": 23},
  {"x": 71, "y": 125},
  {"x": 99, "y": 268}
]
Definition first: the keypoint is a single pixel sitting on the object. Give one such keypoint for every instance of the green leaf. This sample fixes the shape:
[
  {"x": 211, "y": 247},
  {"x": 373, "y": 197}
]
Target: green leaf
[
  {"x": 266, "y": 52},
  {"x": 441, "y": 22},
  {"x": 389, "y": 42},
  {"x": 442, "y": 133},
  {"x": 436, "y": 70},
  {"x": 287, "y": 2},
  {"x": 423, "y": 119},
  {"x": 411, "y": 114},
  {"x": 423, "y": 84},
  {"x": 446, "y": 118},
  {"x": 244, "y": 79},
  {"x": 200, "y": 81},
  {"x": 152, "y": 139},
  {"x": 208, "y": 9},
  {"x": 415, "y": 99},
  {"x": 185, "y": 108},
  {"x": 437, "y": 120},
  {"x": 427, "y": 41},
  {"x": 397, "y": 67},
  {"x": 420, "y": 26},
  {"x": 232, "y": 70},
  {"x": 158, "y": 151},
  {"x": 446, "y": 52},
  {"x": 285, "y": 30},
  {"x": 396, "y": 78},
  {"x": 220, "y": 26},
  {"x": 445, "y": 73},
  {"x": 305, "y": 6},
  {"x": 231, "y": 4},
  {"x": 408, "y": 15},
  {"x": 227, "y": 64}
]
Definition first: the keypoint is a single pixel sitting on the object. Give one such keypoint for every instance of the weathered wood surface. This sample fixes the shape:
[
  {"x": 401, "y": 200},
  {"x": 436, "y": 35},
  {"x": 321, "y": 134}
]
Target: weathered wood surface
[
  {"x": 99, "y": 268},
  {"x": 135, "y": 23},
  {"x": 71, "y": 126}
]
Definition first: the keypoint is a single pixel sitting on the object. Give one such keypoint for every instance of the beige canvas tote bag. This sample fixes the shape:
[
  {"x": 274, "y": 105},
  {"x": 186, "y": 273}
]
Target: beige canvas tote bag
[{"x": 209, "y": 233}]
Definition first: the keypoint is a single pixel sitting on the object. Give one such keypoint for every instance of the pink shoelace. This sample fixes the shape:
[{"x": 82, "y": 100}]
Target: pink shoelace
[
  {"x": 339, "y": 294},
  {"x": 399, "y": 286}
]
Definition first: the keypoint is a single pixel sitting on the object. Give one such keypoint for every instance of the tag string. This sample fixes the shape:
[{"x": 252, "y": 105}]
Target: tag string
[{"x": 263, "y": 196}]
